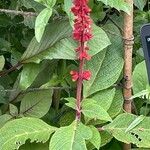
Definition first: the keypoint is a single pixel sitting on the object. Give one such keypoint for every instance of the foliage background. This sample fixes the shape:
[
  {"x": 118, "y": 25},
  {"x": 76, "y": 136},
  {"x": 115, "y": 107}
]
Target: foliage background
[{"x": 40, "y": 85}]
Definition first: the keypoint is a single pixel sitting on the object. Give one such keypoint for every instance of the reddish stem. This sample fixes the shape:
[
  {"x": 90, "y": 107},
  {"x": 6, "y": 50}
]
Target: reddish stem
[{"x": 79, "y": 87}]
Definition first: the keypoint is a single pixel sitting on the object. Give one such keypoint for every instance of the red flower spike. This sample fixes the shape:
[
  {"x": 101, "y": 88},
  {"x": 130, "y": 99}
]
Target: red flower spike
[
  {"x": 86, "y": 75},
  {"x": 85, "y": 55},
  {"x": 75, "y": 75}
]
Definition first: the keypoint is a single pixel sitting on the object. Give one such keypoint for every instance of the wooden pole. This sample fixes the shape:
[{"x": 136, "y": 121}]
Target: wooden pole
[{"x": 128, "y": 48}]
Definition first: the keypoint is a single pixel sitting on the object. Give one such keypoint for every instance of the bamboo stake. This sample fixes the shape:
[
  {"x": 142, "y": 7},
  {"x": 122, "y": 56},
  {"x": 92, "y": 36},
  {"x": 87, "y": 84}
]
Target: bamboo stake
[{"x": 128, "y": 48}]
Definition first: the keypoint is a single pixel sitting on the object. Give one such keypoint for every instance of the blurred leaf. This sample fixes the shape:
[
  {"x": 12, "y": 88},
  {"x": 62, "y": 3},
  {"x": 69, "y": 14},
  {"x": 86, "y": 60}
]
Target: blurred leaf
[
  {"x": 36, "y": 103},
  {"x": 2, "y": 62},
  {"x": 41, "y": 22}
]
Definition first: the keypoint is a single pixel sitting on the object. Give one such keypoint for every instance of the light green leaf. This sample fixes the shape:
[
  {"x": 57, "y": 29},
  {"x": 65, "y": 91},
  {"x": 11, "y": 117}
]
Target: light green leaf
[
  {"x": 2, "y": 62},
  {"x": 139, "y": 135},
  {"x": 4, "y": 118},
  {"x": 67, "y": 7},
  {"x": 96, "y": 138},
  {"x": 74, "y": 137},
  {"x": 136, "y": 122},
  {"x": 105, "y": 68},
  {"x": 140, "y": 78},
  {"x": 141, "y": 94},
  {"x": 16, "y": 132},
  {"x": 47, "y": 3},
  {"x": 13, "y": 110},
  {"x": 93, "y": 110},
  {"x": 35, "y": 146},
  {"x": 41, "y": 22},
  {"x": 28, "y": 75},
  {"x": 117, "y": 104},
  {"x": 118, "y": 4},
  {"x": 71, "y": 102},
  {"x": 36, "y": 103},
  {"x": 140, "y": 4},
  {"x": 104, "y": 98},
  {"x": 56, "y": 31}
]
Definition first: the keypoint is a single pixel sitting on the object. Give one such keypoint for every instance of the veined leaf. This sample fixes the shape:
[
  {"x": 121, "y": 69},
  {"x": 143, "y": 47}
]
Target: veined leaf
[
  {"x": 36, "y": 103},
  {"x": 93, "y": 110},
  {"x": 140, "y": 78},
  {"x": 4, "y": 118},
  {"x": 16, "y": 132},
  {"x": 96, "y": 138},
  {"x": 41, "y": 22},
  {"x": 106, "y": 66},
  {"x": 28, "y": 74},
  {"x": 74, "y": 137},
  {"x": 118, "y": 4},
  {"x": 139, "y": 135},
  {"x": 137, "y": 121},
  {"x": 56, "y": 31},
  {"x": 104, "y": 98}
]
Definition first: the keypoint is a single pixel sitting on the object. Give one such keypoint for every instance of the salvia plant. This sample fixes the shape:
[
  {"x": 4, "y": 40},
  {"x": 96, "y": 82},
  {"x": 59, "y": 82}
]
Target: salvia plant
[{"x": 61, "y": 76}]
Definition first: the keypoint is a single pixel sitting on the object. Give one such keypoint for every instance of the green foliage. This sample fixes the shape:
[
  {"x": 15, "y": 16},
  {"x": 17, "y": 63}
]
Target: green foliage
[
  {"x": 92, "y": 110},
  {"x": 74, "y": 137},
  {"x": 15, "y": 133},
  {"x": 139, "y": 134},
  {"x": 42, "y": 48},
  {"x": 36, "y": 104}
]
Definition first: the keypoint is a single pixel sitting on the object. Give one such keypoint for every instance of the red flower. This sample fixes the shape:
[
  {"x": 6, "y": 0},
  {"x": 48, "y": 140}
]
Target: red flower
[
  {"x": 75, "y": 75},
  {"x": 85, "y": 55},
  {"x": 86, "y": 75}
]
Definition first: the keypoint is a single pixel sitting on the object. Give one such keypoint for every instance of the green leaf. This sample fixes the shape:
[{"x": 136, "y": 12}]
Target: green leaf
[
  {"x": 96, "y": 138},
  {"x": 32, "y": 4},
  {"x": 104, "y": 98},
  {"x": 137, "y": 121},
  {"x": 140, "y": 78},
  {"x": 41, "y": 22},
  {"x": 16, "y": 132},
  {"x": 93, "y": 110},
  {"x": 55, "y": 31},
  {"x": 71, "y": 102},
  {"x": 13, "y": 110},
  {"x": 105, "y": 68},
  {"x": 47, "y": 3},
  {"x": 67, "y": 7},
  {"x": 118, "y": 4},
  {"x": 141, "y": 94},
  {"x": 74, "y": 137},
  {"x": 140, "y": 4},
  {"x": 4, "y": 118},
  {"x": 28, "y": 75},
  {"x": 117, "y": 104},
  {"x": 2, "y": 62},
  {"x": 139, "y": 135},
  {"x": 36, "y": 103},
  {"x": 35, "y": 146}
]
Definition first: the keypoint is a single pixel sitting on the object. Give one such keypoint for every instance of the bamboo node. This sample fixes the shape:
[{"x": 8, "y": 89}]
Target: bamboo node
[{"x": 129, "y": 41}]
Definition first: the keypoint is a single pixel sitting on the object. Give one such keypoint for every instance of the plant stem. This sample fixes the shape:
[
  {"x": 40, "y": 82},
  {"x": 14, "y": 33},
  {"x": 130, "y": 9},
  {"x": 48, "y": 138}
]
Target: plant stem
[
  {"x": 128, "y": 48},
  {"x": 17, "y": 12},
  {"x": 79, "y": 86}
]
